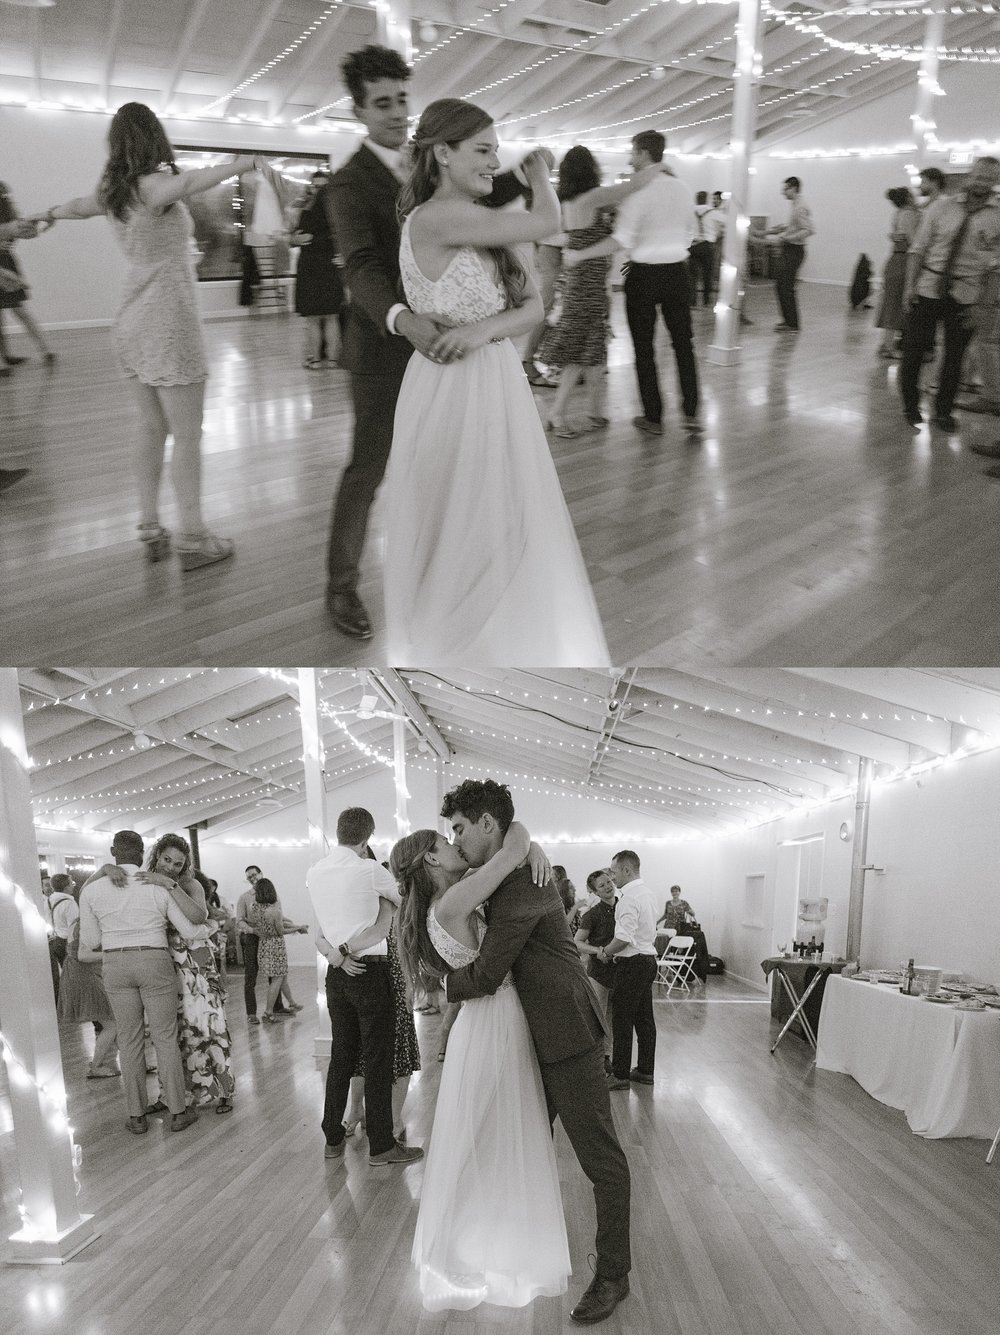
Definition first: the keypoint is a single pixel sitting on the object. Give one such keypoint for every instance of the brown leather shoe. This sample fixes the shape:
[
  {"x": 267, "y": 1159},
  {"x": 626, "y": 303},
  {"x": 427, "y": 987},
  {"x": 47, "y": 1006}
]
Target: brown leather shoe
[
  {"x": 613, "y": 1082},
  {"x": 334, "y": 1151},
  {"x": 647, "y": 427},
  {"x": 180, "y": 1121},
  {"x": 138, "y": 1125},
  {"x": 398, "y": 1154},
  {"x": 600, "y": 1300},
  {"x": 347, "y": 612},
  {"x": 641, "y": 1077}
]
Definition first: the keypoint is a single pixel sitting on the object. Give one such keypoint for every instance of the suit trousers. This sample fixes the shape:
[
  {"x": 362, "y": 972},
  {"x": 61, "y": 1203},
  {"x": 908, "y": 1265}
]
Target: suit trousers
[
  {"x": 665, "y": 288},
  {"x": 920, "y": 324},
  {"x": 362, "y": 1020},
  {"x": 250, "y": 943},
  {"x": 374, "y": 399},
  {"x": 138, "y": 981},
  {"x": 702, "y": 265},
  {"x": 57, "y": 958},
  {"x": 576, "y": 1092},
  {"x": 789, "y": 264},
  {"x": 632, "y": 1009}
]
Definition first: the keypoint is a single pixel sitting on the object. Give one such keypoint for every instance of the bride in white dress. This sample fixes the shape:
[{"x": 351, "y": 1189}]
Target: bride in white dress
[
  {"x": 490, "y": 1226},
  {"x": 481, "y": 564}
]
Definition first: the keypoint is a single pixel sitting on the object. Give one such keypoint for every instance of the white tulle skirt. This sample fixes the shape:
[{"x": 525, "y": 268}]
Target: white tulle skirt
[
  {"x": 490, "y": 1228},
  {"x": 481, "y": 560}
]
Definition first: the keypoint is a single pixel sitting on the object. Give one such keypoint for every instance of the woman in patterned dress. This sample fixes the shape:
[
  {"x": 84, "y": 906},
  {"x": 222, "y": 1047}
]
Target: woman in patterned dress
[
  {"x": 264, "y": 916},
  {"x": 202, "y": 1032},
  {"x": 157, "y": 330},
  {"x": 578, "y": 344}
]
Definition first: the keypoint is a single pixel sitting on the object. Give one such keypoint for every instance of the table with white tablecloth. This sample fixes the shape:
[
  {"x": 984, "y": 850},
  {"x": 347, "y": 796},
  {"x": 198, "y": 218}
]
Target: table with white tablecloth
[{"x": 940, "y": 1065}]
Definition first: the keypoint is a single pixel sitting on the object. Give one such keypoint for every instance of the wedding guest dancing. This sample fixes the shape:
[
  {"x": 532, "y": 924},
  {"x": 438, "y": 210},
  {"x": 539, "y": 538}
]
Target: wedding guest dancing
[
  {"x": 490, "y": 1226},
  {"x": 527, "y": 937},
  {"x": 157, "y": 329},
  {"x": 381, "y": 331},
  {"x": 482, "y": 564}
]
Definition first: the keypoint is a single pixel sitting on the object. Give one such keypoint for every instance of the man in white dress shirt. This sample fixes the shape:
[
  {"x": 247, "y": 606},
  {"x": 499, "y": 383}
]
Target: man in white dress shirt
[
  {"x": 656, "y": 228},
  {"x": 64, "y": 914},
  {"x": 347, "y": 889},
  {"x": 634, "y": 954}
]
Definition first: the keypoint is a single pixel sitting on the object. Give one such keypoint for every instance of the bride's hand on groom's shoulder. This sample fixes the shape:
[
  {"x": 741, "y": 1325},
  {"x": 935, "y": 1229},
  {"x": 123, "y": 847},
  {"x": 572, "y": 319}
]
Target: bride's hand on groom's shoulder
[{"x": 539, "y": 865}]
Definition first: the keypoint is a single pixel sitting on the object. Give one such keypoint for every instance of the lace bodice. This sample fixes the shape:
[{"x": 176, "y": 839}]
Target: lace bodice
[
  {"x": 465, "y": 292},
  {"x": 455, "y": 953}
]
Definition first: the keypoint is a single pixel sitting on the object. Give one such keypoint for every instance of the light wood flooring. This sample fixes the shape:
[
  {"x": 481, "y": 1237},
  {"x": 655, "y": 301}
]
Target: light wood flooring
[
  {"x": 768, "y": 1199},
  {"x": 808, "y": 526}
]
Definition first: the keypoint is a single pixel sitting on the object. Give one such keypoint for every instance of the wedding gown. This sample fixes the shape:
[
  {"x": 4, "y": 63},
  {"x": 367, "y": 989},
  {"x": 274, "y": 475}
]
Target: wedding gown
[
  {"x": 481, "y": 563},
  {"x": 490, "y": 1228}
]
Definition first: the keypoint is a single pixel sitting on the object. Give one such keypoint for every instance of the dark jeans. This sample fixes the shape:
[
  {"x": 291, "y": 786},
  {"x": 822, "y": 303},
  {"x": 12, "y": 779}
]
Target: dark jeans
[
  {"x": 362, "y": 1020},
  {"x": 576, "y": 1092},
  {"x": 374, "y": 409},
  {"x": 632, "y": 1009},
  {"x": 920, "y": 324},
  {"x": 702, "y": 265},
  {"x": 665, "y": 288},
  {"x": 789, "y": 264}
]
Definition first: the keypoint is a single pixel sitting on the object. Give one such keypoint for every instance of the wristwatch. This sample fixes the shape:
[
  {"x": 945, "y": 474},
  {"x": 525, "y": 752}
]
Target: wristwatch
[{"x": 344, "y": 949}]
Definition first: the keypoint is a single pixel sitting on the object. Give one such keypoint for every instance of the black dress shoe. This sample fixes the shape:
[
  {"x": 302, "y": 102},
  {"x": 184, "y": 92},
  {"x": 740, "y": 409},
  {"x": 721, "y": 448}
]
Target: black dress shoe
[
  {"x": 945, "y": 422},
  {"x": 348, "y": 614},
  {"x": 989, "y": 451},
  {"x": 138, "y": 1125},
  {"x": 641, "y": 1077},
  {"x": 600, "y": 1300},
  {"x": 914, "y": 418},
  {"x": 8, "y": 476}
]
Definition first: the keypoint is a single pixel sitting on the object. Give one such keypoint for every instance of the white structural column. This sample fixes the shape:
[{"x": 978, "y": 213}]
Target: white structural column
[
  {"x": 399, "y": 767},
  {"x": 724, "y": 349},
  {"x": 314, "y": 762},
  {"x": 52, "y": 1228},
  {"x": 859, "y": 857},
  {"x": 392, "y": 26},
  {"x": 928, "y": 88}
]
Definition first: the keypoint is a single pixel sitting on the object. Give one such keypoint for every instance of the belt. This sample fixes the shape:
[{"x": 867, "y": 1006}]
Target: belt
[{"x": 120, "y": 950}]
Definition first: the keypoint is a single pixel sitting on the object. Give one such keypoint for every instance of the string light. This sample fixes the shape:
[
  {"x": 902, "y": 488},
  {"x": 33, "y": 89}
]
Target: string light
[{"x": 302, "y": 38}]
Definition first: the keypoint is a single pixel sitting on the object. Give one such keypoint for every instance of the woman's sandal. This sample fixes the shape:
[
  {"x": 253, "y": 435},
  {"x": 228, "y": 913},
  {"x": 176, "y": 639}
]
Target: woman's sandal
[
  {"x": 205, "y": 550},
  {"x": 156, "y": 540},
  {"x": 293, "y": 1006},
  {"x": 596, "y": 423},
  {"x": 563, "y": 430},
  {"x": 352, "y": 1126},
  {"x": 224, "y": 1106},
  {"x": 268, "y": 1018}
]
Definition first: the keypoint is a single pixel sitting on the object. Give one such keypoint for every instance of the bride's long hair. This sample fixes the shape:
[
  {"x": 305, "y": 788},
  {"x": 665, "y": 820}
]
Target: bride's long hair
[
  {"x": 422, "y": 966},
  {"x": 451, "y": 121}
]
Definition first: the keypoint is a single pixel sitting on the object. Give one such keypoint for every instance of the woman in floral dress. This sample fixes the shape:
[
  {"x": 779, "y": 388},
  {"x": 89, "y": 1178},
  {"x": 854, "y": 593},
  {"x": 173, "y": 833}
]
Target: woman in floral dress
[
  {"x": 264, "y": 916},
  {"x": 202, "y": 1032}
]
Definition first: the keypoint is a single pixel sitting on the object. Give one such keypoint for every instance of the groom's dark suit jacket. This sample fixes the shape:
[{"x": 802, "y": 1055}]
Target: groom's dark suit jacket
[
  {"x": 361, "y": 209},
  {"x": 528, "y": 936}
]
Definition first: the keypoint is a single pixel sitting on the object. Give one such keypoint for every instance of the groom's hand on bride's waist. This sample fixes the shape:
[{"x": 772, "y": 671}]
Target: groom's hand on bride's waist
[{"x": 422, "y": 331}]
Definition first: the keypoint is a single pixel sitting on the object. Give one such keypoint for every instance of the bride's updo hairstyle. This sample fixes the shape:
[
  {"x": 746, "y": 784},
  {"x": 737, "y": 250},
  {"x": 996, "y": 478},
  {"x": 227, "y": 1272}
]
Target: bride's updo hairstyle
[
  {"x": 451, "y": 121},
  {"x": 422, "y": 965}
]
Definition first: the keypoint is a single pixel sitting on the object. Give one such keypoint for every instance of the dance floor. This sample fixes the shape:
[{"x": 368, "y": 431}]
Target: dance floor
[
  {"x": 767, "y": 1198},
  {"x": 809, "y": 525}
]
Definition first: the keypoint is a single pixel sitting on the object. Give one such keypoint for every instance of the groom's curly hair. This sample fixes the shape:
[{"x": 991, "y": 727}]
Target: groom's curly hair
[{"x": 478, "y": 797}]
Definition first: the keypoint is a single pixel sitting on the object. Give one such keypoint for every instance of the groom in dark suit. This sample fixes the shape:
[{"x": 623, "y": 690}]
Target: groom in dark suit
[
  {"x": 381, "y": 331},
  {"x": 527, "y": 935}
]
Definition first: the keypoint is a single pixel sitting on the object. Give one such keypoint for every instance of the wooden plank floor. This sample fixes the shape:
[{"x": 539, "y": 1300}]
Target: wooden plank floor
[
  {"x": 809, "y": 526},
  {"x": 767, "y": 1198}
]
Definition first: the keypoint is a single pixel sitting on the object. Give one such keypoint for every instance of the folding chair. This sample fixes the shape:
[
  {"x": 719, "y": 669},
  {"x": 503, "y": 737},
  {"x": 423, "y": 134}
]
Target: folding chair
[{"x": 676, "y": 965}]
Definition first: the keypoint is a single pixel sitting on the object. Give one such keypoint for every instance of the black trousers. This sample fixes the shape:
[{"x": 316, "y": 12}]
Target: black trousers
[
  {"x": 702, "y": 265},
  {"x": 920, "y": 324},
  {"x": 663, "y": 288},
  {"x": 789, "y": 264},
  {"x": 632, "y": 1011},
  {"x": 576, "y": 1092},
  {"x": 362, "y": 1020},
  {"x": 374, "y": 409},
  {"x": 250, "y": 942},
  {"x": 57, "y": 957}
]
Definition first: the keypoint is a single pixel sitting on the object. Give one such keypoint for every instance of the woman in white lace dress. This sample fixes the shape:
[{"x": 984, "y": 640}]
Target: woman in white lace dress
[
  {"x": 157, "y": 330},
  {"x": 481, "y": 564},
  {"x": 490, "y": 1226}
]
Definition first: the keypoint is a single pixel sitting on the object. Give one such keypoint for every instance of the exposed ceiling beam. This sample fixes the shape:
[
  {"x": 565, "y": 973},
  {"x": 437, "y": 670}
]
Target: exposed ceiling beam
[
  {"x": 398, "y": 695},
  {"x": 111, "y": 48},
  {"x": 196, "y": 15}
]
